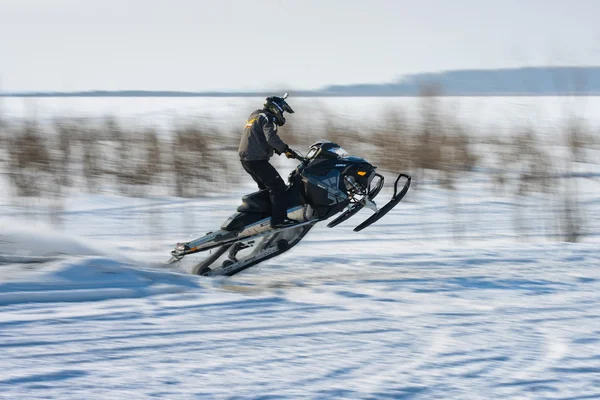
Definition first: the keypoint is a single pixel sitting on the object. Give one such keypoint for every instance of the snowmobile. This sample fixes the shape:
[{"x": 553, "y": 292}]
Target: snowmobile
[{"x": 326, "y": 182}]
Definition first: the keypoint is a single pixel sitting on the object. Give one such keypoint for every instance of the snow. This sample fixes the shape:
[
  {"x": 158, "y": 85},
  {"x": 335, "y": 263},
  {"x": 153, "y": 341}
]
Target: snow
[
  {"x": 484, "y": 112},
  {"x": 443, "y": 298},
  {"x": 31, "y": 241},
  {"x": 384, "y": 313},
  {"x": 444, "y": 323}
]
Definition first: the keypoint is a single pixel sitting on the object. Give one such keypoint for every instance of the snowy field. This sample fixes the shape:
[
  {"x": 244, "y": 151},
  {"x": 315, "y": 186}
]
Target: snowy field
[
  {"x": 230, "y": 113},
  {"x": 427, "y": 303},
  {"x": 399, "y": 310}
]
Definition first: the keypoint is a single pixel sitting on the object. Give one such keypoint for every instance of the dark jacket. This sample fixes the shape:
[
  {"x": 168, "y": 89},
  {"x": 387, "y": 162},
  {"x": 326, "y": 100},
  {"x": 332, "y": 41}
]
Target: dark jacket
[{"x": 260, "y": 138}]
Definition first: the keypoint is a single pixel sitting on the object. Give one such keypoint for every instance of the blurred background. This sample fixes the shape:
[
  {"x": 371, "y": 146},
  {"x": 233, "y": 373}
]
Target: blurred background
[
  {"x": 534, "y": 158},
  {"x": 142, "y": 100},
  {"x": 120, "y": 122}
]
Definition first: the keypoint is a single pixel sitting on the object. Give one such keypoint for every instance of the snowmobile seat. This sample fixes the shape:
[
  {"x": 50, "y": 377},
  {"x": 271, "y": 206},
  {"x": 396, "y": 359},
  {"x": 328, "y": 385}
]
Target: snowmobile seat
[{"x": 257, "y": 202}]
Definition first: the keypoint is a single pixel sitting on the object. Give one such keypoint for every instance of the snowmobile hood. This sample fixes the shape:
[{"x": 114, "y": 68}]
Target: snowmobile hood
[{"x": 356, "y": 159}]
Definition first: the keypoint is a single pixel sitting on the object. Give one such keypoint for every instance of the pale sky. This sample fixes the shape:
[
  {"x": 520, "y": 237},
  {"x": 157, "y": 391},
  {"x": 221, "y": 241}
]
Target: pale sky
[{"x": 68, "y": 45}]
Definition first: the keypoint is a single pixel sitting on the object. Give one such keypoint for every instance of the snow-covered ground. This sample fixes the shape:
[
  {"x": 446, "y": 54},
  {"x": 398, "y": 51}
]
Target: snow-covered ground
[
  {"x": 456, "y": 295},
  {"x": 408, "y": 308},
  {"x": 227, "y": 113}
]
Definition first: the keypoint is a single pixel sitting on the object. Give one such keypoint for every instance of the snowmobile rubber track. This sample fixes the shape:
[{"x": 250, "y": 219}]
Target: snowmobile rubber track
[
  {"x": 203, "y": 267},
  {"x": 215, "y": 272},
  {"x": 232, "y": 239}
]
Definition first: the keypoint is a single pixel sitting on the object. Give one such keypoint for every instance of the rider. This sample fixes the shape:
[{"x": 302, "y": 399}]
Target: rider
[{"x": 257, "y": 145}]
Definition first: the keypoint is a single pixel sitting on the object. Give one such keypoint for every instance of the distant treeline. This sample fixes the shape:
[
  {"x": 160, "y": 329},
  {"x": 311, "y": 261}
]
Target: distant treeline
[{"x": 529, "y": 81}]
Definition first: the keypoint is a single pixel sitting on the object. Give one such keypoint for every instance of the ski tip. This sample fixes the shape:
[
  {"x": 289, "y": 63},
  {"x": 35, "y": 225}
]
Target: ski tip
[{"x": 173, "y": 260}]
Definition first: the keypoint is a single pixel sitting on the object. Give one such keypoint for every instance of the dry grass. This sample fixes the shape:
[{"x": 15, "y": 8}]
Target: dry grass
[
  {"x": 138, "y": 160},
  {"x": 29, "y": 160},
  {"x": 578, "y": 140},
  {"x": 92, "y": 161},
  {"x": 533, "y": 163},
  {"x": 393, "y": 143},
  {"x": 67, "y": 131},
  {"x": 195, "y": 158},
  {"x": 196, "y": 164}
]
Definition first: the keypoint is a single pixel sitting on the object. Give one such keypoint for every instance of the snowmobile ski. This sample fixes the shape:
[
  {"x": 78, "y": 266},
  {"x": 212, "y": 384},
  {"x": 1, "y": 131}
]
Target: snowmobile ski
[
  {"x": 354, "y": 208},
  {"x": 396, "y": 198}
]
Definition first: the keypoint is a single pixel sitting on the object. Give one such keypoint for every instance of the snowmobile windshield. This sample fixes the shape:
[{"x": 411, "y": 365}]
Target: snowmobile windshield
[{"x": 339, "y": 151}]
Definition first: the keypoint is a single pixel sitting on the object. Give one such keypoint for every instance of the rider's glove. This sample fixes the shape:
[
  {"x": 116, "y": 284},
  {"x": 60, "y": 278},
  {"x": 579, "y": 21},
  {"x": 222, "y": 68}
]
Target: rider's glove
[{"x": 289, "y": 153}]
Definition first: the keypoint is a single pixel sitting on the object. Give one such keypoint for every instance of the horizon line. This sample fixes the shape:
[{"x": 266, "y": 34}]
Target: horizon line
[{"x": 327, "y": 90}]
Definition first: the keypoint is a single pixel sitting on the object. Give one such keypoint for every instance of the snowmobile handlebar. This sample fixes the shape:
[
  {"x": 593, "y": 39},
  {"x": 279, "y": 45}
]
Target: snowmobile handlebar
[{"x": 298, "y": 156}]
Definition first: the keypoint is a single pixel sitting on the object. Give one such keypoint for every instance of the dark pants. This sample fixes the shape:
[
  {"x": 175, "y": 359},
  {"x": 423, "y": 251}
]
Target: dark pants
[{"x": 267, "y": 178}]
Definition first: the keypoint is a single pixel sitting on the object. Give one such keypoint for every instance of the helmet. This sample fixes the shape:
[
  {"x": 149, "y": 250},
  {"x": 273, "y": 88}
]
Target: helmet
[{"x": 277, "y": 106}]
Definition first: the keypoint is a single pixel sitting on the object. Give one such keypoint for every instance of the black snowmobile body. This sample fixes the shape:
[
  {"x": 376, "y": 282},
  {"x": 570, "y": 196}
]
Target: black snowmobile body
[
  {"x": 326, "y": 182},
  {"x": 318, "y": 181}
]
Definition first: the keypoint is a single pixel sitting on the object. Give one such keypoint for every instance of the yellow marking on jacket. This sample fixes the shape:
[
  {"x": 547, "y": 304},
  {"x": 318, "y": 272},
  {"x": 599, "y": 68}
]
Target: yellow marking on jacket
[{"x": 250, "y": 122}]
